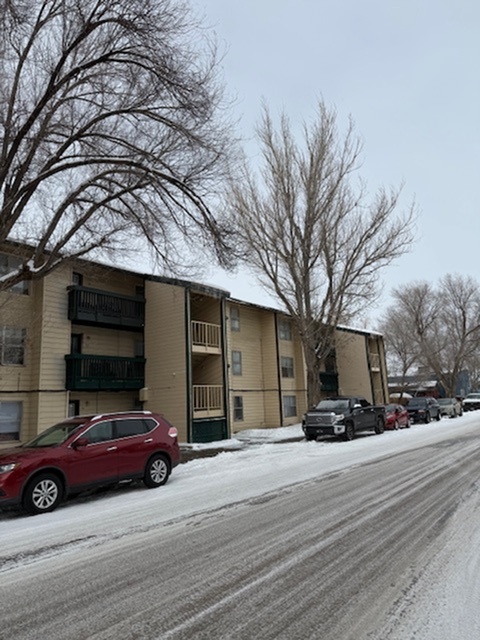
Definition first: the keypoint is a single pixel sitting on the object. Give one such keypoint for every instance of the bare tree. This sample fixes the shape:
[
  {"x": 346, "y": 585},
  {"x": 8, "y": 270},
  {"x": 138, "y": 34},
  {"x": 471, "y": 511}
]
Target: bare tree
[
  {"x": 401, "y": 350},
  {"x": 110, "y": 130},
  {"x": 443, "y": 322},
  {"x": 310, "y": 235}
]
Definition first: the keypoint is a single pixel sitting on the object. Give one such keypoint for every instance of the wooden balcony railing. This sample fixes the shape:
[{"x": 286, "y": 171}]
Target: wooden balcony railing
[
  {"x": 208, "y": 397},
  {"x": 94, "y": 306},
  {"x": 205, "y": 334},
  {"x": 87, "y": 372}
]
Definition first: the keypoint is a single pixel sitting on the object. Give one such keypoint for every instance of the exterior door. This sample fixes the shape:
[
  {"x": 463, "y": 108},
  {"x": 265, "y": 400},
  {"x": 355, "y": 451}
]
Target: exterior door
[
  {"x": 96, "y": 462},
  {"x": 135, "y": 443}
]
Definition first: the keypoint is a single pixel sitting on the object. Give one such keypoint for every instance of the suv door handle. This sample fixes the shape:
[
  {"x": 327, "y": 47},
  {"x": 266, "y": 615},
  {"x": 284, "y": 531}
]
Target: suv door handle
[{"x": 112, "y": 449}]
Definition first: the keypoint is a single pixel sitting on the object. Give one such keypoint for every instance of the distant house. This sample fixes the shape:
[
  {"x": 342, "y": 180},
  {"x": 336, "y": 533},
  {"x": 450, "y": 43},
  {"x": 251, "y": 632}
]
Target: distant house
[{"x": 423, "y": 384}]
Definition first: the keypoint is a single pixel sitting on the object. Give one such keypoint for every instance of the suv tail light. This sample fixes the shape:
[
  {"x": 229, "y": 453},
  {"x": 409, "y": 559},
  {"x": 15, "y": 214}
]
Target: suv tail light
[{"x": 172, "y": 432}]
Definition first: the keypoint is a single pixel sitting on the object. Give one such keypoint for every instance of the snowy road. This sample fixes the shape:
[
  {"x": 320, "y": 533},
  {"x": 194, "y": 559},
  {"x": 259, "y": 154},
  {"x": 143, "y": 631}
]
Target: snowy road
[{"x": 375, "y": 539}]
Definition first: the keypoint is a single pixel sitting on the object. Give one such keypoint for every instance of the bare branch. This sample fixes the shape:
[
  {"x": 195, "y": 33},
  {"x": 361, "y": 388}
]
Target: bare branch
[{"x": 311, "y": 235}]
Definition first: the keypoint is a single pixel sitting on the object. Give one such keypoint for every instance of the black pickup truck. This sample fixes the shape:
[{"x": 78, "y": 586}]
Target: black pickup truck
[{"x": 343, "y": 416}]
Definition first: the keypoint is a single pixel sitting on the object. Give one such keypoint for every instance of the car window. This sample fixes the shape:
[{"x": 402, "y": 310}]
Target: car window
[
  {"x": 131, "y": 427},
  {"x": 100, "y": 432},
  {"x": 364, "y": 403}
]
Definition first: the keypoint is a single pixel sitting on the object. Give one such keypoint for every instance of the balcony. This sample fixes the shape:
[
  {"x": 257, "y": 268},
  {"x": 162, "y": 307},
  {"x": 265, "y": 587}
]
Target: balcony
[
  {"x": 206, "y": 337},
  {"x": 92, "y": 373},
  {"x": 329, "y": 381},
  {"x": 208, "y": 400},
  {"x": 92, "y": 306}
]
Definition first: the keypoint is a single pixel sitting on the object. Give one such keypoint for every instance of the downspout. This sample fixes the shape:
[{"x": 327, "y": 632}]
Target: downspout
[
  {"x": 226, "y": 386},
  {"x": 372, "y": 387},
  {"x": 188, "y": 363},
  {"x": 279, "y": 378}
]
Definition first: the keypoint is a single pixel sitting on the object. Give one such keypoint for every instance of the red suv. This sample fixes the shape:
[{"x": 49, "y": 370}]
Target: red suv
[{"x": 84, "y": 452}]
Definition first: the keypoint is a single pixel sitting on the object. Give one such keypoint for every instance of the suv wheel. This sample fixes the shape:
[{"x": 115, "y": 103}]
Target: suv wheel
[
  {"x": 43, "y": 494},
  {"x": 156, "y": 472}
]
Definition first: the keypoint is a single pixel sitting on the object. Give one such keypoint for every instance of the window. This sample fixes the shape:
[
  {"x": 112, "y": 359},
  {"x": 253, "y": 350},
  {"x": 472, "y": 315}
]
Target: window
[
  {"x": 131, "y": 427},
  {"x": 77, "y": 279},
  {"x": 235, "y": 318},
  {"x": 286, "y": 365},
  {"x": 237, "y": 363},
  {"x": 8, "y": 264},
  {"x": 289, "y": 406},
  {"x": 100, "y": 432},
  {"x": 12, "y": 345},
  {"x": 284, "y": 330},
  {"x": 238, "y": 408},
  {"x": 10, "y": 420}
]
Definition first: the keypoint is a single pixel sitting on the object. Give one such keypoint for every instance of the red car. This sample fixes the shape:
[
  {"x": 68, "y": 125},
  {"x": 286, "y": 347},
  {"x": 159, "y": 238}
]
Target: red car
[
  {"x": 85, "y": 452},
  {"x": 396, "y": 416}
]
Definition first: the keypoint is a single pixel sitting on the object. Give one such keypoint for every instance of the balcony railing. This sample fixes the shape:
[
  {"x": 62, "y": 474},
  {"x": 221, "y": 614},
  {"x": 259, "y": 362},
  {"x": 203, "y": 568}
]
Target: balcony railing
[
  {"x": 205, "y": 334},
  {"x": 208, "y": 398},
  {"x": 374, "y": 361},
  {"x": 90, "y": 372},
  {"x": 329, "y": 381},
  {"x": 93, "y": 306}
]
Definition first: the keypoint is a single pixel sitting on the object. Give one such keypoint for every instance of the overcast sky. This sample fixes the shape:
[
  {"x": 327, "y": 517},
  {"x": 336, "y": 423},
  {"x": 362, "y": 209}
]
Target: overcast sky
[{"x": 407, "y": 71}]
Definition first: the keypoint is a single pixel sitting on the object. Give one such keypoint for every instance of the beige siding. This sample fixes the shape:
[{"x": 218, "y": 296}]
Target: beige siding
[
  {"x": 251, "y": 384},
  {"x": 107, "y": 342},
  {"x": 165, "y": 348},
  {"x": 104, "y": 401},
  {"x": 107, "y": 279},
  {"x": 352, "y": 364}
]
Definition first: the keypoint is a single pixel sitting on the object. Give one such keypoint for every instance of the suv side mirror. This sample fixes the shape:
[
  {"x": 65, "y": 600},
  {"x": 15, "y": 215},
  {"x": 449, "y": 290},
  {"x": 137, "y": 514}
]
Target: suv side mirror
[{"x": 80, "y": 442}]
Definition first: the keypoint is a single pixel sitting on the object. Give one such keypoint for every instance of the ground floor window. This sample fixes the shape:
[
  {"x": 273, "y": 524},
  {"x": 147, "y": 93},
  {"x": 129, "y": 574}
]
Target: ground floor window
[
  {"x": 238, "y": 408},
  {"x": 289, "y": 406},
  {"x": 10, "y": 420}
]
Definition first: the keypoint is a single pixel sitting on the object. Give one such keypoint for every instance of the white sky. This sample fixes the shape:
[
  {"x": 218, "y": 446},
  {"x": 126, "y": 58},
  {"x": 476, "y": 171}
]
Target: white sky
[{"x": 407, "y": 72}]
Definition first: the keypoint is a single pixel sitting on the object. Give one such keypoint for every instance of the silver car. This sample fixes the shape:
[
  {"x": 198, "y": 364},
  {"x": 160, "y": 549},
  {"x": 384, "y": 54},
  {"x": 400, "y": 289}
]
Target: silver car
[{"x": 450, "y": 407}]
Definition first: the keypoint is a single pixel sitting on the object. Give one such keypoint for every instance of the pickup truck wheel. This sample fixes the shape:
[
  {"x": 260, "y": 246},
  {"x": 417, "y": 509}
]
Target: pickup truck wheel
[
  {"x": 310, "y": 437},
  {"x": 380, "y": 426},
  {"x": 349, "y": 431}
]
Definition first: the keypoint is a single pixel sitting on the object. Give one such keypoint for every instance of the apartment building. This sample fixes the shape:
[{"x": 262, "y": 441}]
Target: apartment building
[{"x": 90, "y": 338}]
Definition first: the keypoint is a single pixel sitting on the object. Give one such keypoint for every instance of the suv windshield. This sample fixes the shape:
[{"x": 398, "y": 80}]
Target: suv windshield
[
  {"x": 333, "y": 405},
  {"x": 54, "y": 435},
  {"x": 417, "y": 402}
]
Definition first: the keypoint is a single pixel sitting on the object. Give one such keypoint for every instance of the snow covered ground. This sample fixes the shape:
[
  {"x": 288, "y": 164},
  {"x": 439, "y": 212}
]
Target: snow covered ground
[
  {"x": 251, "y": 464},
  {"x": 209, "y": 483}
]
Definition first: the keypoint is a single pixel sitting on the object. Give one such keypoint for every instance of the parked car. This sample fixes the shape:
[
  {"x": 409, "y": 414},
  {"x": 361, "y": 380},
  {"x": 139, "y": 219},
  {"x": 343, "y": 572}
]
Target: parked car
[
  {"x": 423, "y": 409},
  {"x": 85, "y": 452},
  {"x": 471, "y": 402},
  {"x": 450, "y": 407},
  {"x": 396, "y": 416},
  {"x": 343, "y": 416}
]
